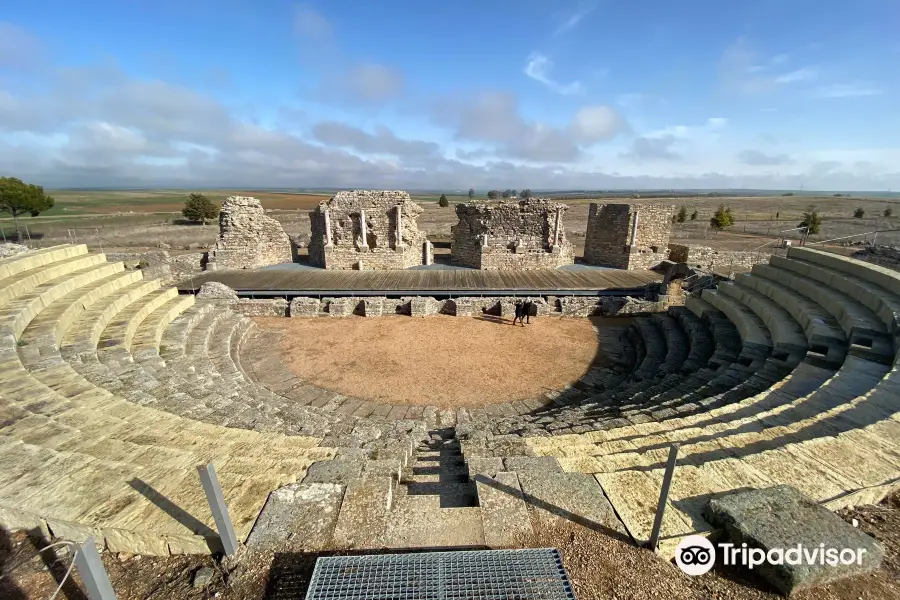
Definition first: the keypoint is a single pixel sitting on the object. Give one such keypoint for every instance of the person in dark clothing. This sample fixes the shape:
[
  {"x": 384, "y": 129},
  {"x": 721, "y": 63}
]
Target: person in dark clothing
[
  {"x": 520, "y": 313},
  {"x": 527, "y": 307}
]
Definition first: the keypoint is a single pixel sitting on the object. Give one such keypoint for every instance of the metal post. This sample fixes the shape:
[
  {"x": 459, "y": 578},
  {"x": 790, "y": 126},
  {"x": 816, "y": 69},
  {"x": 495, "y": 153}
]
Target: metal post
[
  {"x": 663, "y": 496},
  {"x": 218, "y": 507},
  {"x": 90, "y": 567},
  {"x": 28, "y": 233}
]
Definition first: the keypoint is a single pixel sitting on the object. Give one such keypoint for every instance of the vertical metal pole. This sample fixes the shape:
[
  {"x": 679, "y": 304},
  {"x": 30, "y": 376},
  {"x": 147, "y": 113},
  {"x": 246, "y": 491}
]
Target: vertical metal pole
[
  {"x": 28, "y": 233},
  {"x": 90, "y": 567},
  {"x": 663, "y": 496},
  {"x": 218, "y": 507}
]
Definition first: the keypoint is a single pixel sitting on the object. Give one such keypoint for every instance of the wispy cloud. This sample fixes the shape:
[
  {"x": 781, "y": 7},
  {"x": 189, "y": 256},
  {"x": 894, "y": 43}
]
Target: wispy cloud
[
  {"x": 847, "y": 90},
  {"x": 584, "y": 9},
  {"x": 803, "y": 74},
  {"x": 538, "y": 68}
]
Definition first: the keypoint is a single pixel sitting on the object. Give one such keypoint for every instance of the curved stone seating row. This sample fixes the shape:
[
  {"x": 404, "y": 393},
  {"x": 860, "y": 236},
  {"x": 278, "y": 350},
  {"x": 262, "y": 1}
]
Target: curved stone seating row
[
  {"x": 831, "y": 433},
  {"x": 77, "y": 459}
]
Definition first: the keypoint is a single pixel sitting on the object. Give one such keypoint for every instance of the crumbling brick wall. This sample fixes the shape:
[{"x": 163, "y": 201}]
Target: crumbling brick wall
[
  {"x": 248, "y": 238},
  {"x": 628, "y": 236},
  {"x": 391, "y": 240},
  {"x": 511, "y": 235}
]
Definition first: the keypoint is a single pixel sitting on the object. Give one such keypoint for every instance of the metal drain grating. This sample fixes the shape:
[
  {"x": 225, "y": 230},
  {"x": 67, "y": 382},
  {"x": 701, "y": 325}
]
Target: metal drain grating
[{"x": 531, "y": 574}]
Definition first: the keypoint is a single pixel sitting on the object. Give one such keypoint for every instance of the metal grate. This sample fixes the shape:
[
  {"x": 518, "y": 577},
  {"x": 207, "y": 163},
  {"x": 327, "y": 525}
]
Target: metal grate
[{"x": 490, "y": 575}]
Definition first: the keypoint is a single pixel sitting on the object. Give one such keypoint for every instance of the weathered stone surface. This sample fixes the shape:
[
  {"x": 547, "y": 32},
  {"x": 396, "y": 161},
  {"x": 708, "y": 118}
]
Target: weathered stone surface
[
  {"x": 710, "y": 259},
  {"x": 160, "y": 264},
  {"x": 247, "y": 237},
  {"x": 363, "y": 517},
  {"x": 782, "y": 517},
  {"x": 11, "y": 250},
  {"x": 503, "y": 510},
  {"x": 511, "y": 235},
  {"x": 274, "y": 307},
  {"x": 391, "y": 239},
  {"x": 628, "y": 236},
  {"x": 341, "y": 307},
  {"x": 342, "y": 471},
  {"x": 303, "y": 514},
  {"x": 203, "y": 576},
  {"x": 216, "y": 291},
  {"x": 304, "y": 307}
]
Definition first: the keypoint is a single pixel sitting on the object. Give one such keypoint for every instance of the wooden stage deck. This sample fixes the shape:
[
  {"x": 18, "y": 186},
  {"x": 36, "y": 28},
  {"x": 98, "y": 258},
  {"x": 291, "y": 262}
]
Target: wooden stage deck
[{"x": 431, "y": 282}]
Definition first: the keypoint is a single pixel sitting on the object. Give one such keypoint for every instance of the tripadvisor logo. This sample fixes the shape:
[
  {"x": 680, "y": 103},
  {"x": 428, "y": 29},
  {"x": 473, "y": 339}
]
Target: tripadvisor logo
[{"x": 696, "y": 555}]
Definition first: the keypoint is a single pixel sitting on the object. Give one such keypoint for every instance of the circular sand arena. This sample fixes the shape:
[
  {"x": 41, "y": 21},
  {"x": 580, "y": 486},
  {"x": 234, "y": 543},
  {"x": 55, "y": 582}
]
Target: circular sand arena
[{"x": 442, "y": 361}]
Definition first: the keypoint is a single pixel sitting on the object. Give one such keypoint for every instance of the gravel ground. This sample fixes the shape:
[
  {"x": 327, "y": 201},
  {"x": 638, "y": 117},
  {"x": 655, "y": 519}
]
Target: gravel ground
[
  {"x": 601, "y": 568},
  {"x": 439, "y": 360}
]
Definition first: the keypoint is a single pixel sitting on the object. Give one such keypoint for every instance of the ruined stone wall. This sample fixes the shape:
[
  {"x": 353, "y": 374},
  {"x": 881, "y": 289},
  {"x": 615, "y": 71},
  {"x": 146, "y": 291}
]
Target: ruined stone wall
[
  {"x": 248, "y": 238},
  {"x": 511, "y": 235},
  {"x": 706, "y": 258},
  {"x": 612, "y": 240},
  {"x": 383, "y": 245}
]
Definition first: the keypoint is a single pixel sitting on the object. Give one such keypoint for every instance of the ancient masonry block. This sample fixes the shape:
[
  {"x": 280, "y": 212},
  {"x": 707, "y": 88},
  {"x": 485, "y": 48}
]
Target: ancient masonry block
[
  {"x": 421, "y": 306},
  {"x": 709, "y": 259},
  {"x": 305, "y": 307},
  {"x": 275, "y": 307},
  {"x": 342, "y": 307},
  {"x": 367, "y": 230},
  {"x": 511, "y": 235},
  {"x": 374, "y": 306},
  {"x": 628, "y": 236},
  {"x": 247, "y": 237}
]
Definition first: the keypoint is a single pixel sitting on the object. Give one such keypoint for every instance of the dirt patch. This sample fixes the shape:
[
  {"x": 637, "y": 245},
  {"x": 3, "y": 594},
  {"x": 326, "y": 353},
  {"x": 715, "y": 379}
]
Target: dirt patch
[
  {"x": 600, "y": 567},
  {"x": 439, "y": 360}
]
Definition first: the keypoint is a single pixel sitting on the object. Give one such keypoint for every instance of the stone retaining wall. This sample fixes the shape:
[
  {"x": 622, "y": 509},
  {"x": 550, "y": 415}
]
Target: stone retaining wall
[
  {"x": 473, "y": 306},
  {"x": 511, "y": 235},
  {"x": 706, "y": 258},
  {"x": 269, "y": 307}
]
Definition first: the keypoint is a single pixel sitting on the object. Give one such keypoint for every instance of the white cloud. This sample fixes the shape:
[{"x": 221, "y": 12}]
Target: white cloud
[
  {"x": 366, "y": 83},
  {"x": 593, "y": 124},
  {"x": 652, "y": 148},
  {"x": 383, "y": 141},
  {"x": 575, "y": 18},
  {"x": 538, "y": 67},
  {"x": 847, "y": 90},
  {"x": 803, "y": 74},
  {"x": 494, "y": 117}
]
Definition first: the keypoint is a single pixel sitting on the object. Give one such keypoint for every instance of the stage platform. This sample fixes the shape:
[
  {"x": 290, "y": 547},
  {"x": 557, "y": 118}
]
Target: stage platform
[{"x": 297, "y": 280}]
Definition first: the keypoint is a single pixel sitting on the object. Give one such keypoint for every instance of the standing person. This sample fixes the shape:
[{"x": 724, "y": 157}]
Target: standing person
[
  {"x": 520, "y": 313},
  {"x": 526, "y": 309}
]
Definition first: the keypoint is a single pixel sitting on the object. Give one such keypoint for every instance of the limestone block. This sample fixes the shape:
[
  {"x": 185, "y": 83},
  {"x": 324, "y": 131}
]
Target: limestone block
[
  {"x": 304, "y": 307},
  {"x": 216, "y": 291},
  {"x": 341, "y": 307},
  {"x": 373, "y": 307},
  {"x": 782, "y": 517},
  {"x": 274, "y": 307}
]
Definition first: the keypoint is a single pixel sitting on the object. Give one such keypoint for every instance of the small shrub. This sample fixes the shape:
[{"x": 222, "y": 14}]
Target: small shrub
[
  {"x": 888, "y": 212},
  {"x": 443, "y": 202},
  {"x": 694, "y": 215},
  {"x": 859, "y": 213},
  {"x": 682, "y": 215},
  {"x": 723, "y": 218},
  {"x": 811, "y": 220}
]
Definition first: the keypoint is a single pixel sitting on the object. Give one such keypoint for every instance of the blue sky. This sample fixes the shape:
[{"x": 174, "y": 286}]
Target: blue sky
[{"x": 450, "y": 95}]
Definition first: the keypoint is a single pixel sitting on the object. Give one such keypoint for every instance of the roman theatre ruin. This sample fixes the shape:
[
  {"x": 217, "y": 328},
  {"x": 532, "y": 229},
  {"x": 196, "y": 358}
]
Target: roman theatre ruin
[{"x": 373, "y": 399}]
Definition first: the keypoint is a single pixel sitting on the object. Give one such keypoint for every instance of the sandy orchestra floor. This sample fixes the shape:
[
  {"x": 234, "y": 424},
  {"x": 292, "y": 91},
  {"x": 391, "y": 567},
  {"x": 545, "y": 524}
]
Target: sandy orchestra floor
[{"x": 439, "y": 360}]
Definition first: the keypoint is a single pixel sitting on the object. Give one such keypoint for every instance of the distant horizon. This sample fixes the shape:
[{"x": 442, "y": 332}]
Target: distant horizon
[{"x": 482, "y": 192}]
